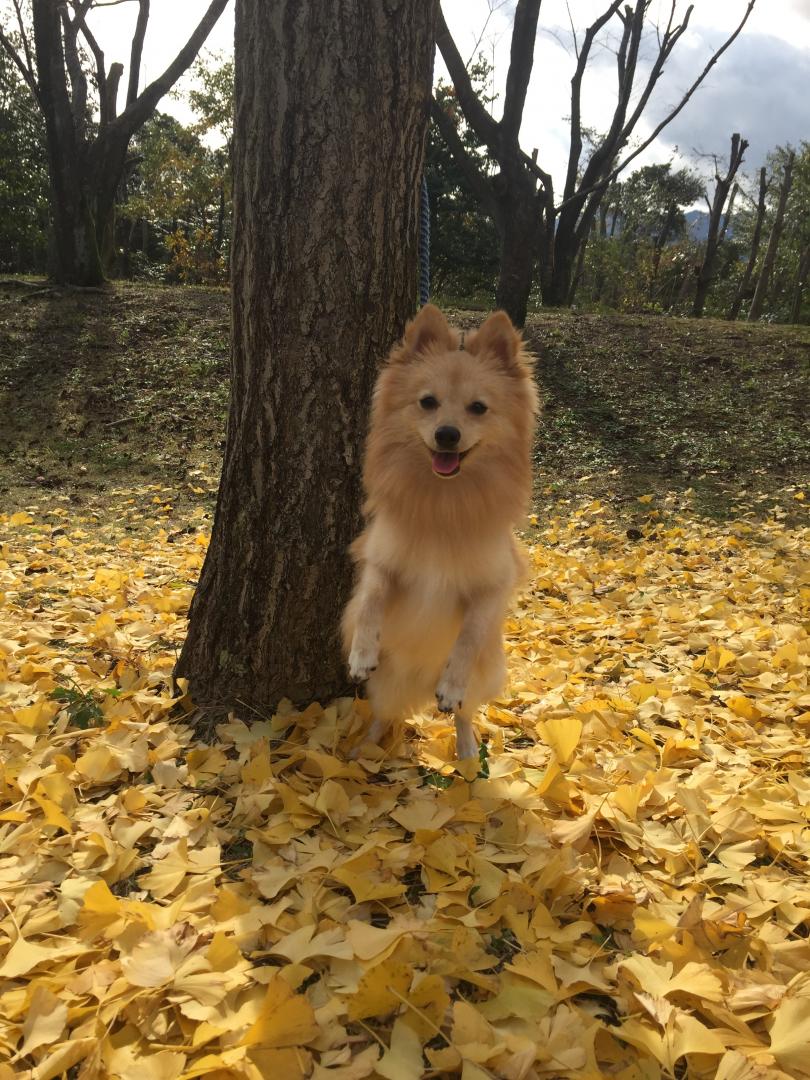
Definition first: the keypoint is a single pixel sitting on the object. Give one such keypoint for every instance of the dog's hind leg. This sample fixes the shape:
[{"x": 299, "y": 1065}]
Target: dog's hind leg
[{"x": 466, "y": 742}]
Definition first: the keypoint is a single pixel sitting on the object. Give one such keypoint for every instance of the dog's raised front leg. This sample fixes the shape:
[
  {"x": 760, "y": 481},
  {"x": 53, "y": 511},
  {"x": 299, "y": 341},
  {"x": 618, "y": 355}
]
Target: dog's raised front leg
[{"x": 368, "y": 607}]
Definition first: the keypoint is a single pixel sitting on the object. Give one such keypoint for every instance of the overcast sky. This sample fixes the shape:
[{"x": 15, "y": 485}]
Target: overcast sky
[{"x": 760, "y": 87}]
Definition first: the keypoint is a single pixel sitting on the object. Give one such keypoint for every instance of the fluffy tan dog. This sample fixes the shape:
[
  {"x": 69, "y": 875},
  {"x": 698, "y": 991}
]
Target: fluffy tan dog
[{"x": 447, "y": 477}]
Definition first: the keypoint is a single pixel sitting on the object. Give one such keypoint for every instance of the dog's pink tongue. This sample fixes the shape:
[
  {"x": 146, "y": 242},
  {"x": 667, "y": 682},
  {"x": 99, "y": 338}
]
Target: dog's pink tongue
[{"x": 444, "y": 464}]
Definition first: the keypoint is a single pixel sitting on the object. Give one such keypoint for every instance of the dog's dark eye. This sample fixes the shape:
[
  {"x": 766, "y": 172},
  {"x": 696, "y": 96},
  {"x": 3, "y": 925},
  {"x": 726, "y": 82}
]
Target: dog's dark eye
[
  {"x": 478, "y": 408},
  {"x": 429, "y": 402}
]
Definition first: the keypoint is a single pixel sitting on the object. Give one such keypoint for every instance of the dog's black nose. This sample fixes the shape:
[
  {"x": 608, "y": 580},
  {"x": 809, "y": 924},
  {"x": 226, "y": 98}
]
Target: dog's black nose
[{"x": 447, "y": 437}]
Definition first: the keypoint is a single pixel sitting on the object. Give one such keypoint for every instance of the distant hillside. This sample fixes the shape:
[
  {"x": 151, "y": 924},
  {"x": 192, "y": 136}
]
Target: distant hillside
[{"x": 697, "y": 222}]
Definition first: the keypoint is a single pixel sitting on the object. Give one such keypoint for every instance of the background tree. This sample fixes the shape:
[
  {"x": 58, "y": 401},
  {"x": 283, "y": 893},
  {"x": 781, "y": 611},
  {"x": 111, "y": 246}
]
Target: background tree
[
  {"x": 528, "y": 217},
  {"x": 510, "y": 195},
  {"x": 744, "y": 291},
  {"x": 647, "y": 218},
  {"x": 23, "y": 175},
  {"x": 792, "y": 264},
  {"x": 87, "y": 156},
  {"x": 716, "y": 232},
  {"x": 324, "y": 276},
  {"x": 211, "y": 98},
  {"x": 172, "y": 222},
  {"x": 463, "y": 237},
  {"x": 768, "y": 262}
]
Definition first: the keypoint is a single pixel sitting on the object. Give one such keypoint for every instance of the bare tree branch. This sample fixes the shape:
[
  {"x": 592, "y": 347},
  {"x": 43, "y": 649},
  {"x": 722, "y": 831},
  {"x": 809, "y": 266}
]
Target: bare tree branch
[
  {"x": 137, "y": 50},
  {"x": 669, "y": 42},
  {"x": 144, "y": 105},
  {"x": 113, "y": 79},
  {"x": 78, "y": 81},
  {"x": 573, "y": 29},
  {"x": 494, "y": 5},
  {"x": 29, "y": 60},
  {"x": 524, "y": 36},
  {"x": 485, "y": 127},
  {"x": 98, "y": 56},
  {"x": 669, "y": 117},
  {"x": 20, "y": 64},
  {"x": 576, "y": 92}
]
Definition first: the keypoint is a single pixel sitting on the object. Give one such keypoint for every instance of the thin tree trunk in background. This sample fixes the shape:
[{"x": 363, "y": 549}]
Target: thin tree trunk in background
[
  {"x": 764, "y": 280},
  {"x": 798, "y": 291},
  {"x": 714, "y": 239},
  {"x": 332, "y": 105},
  {"x": 745, "y": 284}
]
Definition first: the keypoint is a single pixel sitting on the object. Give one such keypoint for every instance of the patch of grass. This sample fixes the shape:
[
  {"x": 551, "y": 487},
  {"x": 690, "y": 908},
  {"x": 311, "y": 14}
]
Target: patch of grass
[{"x": 131, "y": 385}]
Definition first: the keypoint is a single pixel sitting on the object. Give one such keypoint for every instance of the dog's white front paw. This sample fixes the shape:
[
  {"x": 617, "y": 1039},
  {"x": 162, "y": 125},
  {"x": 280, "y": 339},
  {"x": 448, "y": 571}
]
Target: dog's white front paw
[
  {"x": 449, "y": 693},
  {"x": 363, "y": 659}
]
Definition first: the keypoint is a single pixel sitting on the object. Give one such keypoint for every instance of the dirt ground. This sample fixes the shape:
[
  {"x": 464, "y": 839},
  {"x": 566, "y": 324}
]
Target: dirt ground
[{"x": 128, "y": 389}]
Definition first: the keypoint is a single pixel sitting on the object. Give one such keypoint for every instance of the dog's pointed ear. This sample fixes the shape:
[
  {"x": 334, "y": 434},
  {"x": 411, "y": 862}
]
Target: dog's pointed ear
[
  {"x": 497, "y": 337},
  {"x": 429, "y": 330}
]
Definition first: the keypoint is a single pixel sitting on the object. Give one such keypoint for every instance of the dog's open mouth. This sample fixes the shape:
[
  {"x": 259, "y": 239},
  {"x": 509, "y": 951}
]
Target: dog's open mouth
[{"x": 447, "y": 464}]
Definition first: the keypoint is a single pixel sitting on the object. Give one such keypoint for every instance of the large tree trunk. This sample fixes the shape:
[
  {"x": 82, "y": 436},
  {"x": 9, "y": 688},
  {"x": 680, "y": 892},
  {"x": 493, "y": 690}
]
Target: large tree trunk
[
  {"x": 744, "y": 288},
  {"x": 331, "y": 113},
  {"x": 764, "y": 279}
]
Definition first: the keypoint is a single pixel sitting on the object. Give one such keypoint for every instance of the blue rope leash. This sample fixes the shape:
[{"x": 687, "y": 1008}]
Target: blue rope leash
[{"x": 424, "y": 244}]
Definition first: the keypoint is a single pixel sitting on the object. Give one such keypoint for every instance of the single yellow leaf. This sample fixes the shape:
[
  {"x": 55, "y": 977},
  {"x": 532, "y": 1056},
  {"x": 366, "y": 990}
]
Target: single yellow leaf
[
  {"x": 562, "y": 734},
  {"x": 45, "y": 1020},
  {"x": 403, "y": 1059},
  {"x": 790, "y": 1034},
  {"x": 285, "y": 1019},
  {"x": 380, "y": 990}
]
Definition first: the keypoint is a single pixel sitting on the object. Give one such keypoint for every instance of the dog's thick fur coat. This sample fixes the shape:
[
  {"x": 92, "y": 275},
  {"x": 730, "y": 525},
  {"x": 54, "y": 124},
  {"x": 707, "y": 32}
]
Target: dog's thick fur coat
[{"x": 438, "y": 559}]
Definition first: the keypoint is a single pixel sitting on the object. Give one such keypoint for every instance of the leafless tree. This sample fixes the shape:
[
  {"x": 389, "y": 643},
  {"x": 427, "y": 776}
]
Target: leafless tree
[
  {"x": 86, "y": 159},
  {"x": 764, "y": 279},
  {"x": 532, "y": 225},
  {"x": 717, "y": 225}
]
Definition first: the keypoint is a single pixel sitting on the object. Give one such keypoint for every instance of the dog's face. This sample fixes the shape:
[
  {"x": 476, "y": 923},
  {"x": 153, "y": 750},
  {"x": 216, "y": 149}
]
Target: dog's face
[
  {"x": 457, "y": 406},
  {"x": 446, "y": 411}
]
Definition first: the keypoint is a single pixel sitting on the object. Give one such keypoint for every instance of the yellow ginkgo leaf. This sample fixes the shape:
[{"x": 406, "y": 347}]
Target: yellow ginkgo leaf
[
  {"x": 790, "y": 1035},
  {"x": 380, "y": 991},
  {"x": 285, "y": 1019},
  {"x": 45, "y": 1020},
  {"x": 562, "y": 734},
  {"x": 403, "y": 1059}
]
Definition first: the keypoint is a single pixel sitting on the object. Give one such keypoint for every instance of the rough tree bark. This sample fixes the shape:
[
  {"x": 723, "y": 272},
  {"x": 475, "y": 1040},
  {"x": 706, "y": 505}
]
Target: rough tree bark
[
  {"x": 722, "y": 186},
  {"x": 87, "y": 162},
  {"x": 332, "y": 103},
  {"x": 744, "y": 288},
  {"x": 764, "y": 279}
]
